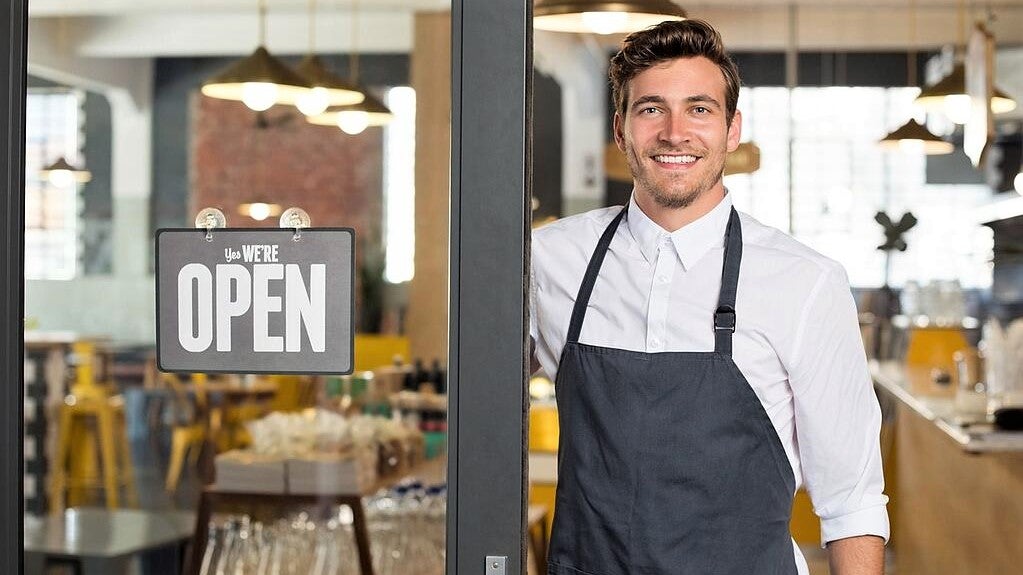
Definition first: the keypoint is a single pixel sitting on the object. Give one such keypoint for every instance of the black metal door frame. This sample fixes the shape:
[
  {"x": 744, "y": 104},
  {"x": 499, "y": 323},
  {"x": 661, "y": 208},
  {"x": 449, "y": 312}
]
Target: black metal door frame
[
  {"x": 14, "y": 27},
  {"x": 490, "y": 217},
  {"x": 491, "y": 148}
]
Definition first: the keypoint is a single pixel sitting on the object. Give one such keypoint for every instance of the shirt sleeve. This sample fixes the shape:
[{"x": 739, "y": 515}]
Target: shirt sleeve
[{"x": 837, "y": 416}]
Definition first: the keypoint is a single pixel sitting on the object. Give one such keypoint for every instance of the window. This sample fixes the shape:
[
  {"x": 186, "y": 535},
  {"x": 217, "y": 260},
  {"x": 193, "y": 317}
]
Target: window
[
  {"x": 400, "y": 186},
  {"x": 53, "y": 129},
  {"x": 841, "y": 178}
]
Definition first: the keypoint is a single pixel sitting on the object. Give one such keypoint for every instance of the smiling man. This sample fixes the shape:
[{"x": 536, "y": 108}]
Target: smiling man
[{"x": 707, "y": 366}]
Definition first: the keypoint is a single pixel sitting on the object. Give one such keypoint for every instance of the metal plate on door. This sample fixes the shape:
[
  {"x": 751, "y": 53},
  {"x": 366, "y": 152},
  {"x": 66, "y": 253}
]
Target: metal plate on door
[{"x": 496, "y": 564}]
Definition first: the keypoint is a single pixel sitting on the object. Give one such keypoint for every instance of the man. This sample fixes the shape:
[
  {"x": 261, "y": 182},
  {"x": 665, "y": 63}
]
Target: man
[{"x": 707, "y": 366}]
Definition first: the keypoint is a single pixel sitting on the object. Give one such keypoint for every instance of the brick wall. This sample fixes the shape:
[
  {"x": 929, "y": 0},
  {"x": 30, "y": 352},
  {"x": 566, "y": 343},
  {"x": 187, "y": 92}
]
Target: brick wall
[{"x": 335, "y": 177}]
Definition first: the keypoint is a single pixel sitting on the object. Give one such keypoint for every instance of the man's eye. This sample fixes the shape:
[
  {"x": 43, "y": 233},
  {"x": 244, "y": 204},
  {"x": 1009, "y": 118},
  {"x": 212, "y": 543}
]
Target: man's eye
[
  {"x": 701, "y": 109},
  {"x": 648, "y": 110}
]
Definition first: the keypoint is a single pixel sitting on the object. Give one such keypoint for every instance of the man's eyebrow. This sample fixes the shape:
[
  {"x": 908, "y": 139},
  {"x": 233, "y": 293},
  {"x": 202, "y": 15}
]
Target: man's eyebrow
[
  {"x": 696, "y": 98},
  {"x": 705, "y": 98},
  {"x": 652, "y": 99}
]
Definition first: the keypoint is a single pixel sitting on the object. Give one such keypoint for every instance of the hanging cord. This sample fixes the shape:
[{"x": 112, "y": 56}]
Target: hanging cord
[
  {"x": 911, "y": 59},
  {"x": 312, "y": 27},
  {"x": 262, "y": 22},
  {"x": 353, "y": 58}
]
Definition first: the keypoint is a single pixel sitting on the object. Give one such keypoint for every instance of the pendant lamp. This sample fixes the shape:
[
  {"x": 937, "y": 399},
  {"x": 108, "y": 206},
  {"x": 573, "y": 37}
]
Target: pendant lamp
[
  {"x": 949, "y": 96},
  {"x": 62, "y": 173},
  {"x": 328, "y": 89},
  {"x": 355, "y": 118},
  {"x": 260, "y": 210},
  {"x": 914, "y": 136},
  {"x": 603, "y": 16},
  {"x": 260, "y": 80}
]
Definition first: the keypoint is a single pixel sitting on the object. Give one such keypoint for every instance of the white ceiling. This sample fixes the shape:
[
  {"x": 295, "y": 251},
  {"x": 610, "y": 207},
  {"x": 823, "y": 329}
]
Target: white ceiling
[{"x": 144, "y": 28}]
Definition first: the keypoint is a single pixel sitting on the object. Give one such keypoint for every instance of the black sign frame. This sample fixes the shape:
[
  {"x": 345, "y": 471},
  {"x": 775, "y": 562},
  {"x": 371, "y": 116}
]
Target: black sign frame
[{"x": 202, "y": 232}]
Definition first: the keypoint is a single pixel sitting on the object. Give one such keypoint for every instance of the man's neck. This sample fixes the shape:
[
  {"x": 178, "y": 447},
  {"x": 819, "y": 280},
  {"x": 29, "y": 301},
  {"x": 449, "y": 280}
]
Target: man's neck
[{"x": 672, "y": 219}]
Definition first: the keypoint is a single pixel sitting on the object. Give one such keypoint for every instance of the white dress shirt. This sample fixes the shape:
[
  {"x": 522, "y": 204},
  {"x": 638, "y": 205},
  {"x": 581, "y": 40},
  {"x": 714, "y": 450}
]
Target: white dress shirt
[{"x": 797, "y": 339}]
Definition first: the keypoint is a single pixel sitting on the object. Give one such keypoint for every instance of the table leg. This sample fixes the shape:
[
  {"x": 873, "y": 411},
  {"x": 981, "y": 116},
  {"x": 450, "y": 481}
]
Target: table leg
[
  {"x": 104, "y": 565},
  {"x": 35, "y": 563},
  {"x": 162, "y": 560},
  {"x": 361, "y": 535},
  {"x": 193, "y": 558}
]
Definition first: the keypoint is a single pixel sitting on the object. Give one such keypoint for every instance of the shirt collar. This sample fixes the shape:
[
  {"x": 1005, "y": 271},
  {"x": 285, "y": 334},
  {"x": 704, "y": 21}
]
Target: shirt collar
[{"x": 691, "y": 241}]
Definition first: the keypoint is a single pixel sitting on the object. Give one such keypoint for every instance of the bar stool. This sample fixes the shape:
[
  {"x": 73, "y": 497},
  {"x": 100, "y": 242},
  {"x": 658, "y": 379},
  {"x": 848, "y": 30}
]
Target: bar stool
[
  {"x": 187, "y": 436},
  {"x": 91, "y": 418}
]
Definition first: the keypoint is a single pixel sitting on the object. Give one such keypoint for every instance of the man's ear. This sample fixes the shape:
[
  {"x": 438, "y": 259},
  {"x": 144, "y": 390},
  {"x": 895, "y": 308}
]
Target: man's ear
[
  {"x": 735, "y": 131},
  {"x": 619, "y": 131}
]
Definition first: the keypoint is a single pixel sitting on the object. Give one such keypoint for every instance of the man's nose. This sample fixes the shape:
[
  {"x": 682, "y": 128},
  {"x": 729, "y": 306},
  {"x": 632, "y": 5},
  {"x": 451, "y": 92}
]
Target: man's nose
[{"x": 675, "y": 130}]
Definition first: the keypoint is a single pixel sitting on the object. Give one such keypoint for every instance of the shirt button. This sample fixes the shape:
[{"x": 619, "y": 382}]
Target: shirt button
[
  {"x": 655, "y": 344},
  {"x": 663, "y": 278}
]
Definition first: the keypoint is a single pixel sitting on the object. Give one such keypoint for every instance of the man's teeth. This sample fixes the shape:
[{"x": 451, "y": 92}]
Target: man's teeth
[{"x": 675, "y": 159}]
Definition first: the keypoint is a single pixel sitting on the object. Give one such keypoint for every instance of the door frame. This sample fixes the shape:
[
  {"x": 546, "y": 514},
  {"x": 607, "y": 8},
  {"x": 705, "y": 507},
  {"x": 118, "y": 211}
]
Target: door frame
[
  {"x": 14, "y": 24},
  {"x": 488, "y": 353},
  {"x": 490, "y": 212}
]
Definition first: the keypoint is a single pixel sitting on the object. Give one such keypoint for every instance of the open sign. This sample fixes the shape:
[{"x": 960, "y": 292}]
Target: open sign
[{"x": 255, "y": 301}]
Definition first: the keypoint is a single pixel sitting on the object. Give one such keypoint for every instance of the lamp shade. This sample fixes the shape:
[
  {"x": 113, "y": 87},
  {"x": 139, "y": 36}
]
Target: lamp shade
[
  {"x": 915, "y": 136},
  {"x": 370, "y": 112},
  {"x": 603, "y": 16},
  {"x": 333, "y": 89},
  {"x": 259, "y": 80},
  {"x": 61, "y": 172},
  {"x": 949, "y": 95}
]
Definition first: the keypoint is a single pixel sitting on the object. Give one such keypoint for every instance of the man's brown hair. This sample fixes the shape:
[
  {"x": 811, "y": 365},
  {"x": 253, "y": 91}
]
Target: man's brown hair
[{"x": 667, "y": 41}]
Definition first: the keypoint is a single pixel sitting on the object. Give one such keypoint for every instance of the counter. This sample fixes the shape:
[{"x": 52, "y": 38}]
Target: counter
[
  {"x": 939, "y": 410},
  {"x": 956, "y": 492}
]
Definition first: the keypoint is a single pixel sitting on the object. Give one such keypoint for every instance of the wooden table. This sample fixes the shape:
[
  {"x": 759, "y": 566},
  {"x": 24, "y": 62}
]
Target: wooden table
[
  {"x": 102, "y": 541},
  {"x": 431, "y": 471}
]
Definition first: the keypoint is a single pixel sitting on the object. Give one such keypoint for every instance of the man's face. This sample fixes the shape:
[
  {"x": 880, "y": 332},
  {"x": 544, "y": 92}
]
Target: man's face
[{"x": 674, "y": 131}]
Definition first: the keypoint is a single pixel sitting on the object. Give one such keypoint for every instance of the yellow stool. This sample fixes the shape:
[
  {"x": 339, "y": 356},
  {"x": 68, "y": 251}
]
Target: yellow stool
[
  {"x": 187, "y": 437},
  {"x": 84, "y": 422},
  {"x": 88, "y": 416}
]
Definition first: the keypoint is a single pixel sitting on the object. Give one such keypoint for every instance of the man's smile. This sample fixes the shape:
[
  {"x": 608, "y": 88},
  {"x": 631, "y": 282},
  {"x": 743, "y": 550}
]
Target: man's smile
[{"x": 675, "y": 161}]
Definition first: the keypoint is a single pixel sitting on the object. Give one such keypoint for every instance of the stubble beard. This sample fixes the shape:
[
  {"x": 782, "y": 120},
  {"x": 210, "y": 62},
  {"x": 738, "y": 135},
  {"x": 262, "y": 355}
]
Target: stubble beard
[{"x": 674, "y": 193}]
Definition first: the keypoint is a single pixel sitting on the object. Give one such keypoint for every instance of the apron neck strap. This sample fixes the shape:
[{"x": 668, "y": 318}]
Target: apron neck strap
[
  {"x": 592, "y": 271},
  {"x": 724, "y": 315}
]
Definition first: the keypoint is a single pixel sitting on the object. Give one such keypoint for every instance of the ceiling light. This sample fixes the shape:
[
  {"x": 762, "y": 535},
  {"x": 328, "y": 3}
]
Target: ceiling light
[
  {"x": 913, "y": 136},
  {"x": 603, "y": 16},
  {"x": 61, "y": 173},
  {"x": 948, "y": 96},
  {"x": 355, "y": 118},
  {"x": 328, "y": 89},
  {"x": 259, "y": 211},
  {"x": 259, "y": 80}
]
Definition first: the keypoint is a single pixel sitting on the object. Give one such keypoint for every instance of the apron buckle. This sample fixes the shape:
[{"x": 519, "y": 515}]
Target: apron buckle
[{"x": 724, "y": 318}]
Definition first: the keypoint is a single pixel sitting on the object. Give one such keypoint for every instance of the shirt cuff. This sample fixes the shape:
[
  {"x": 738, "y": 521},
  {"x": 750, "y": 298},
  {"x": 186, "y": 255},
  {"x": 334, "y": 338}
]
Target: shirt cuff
[{"x": 869, "y": 521}]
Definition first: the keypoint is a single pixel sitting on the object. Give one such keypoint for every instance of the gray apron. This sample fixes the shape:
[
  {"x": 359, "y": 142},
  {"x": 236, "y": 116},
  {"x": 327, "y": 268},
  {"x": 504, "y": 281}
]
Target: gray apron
[{"x": 668, "y": 463}]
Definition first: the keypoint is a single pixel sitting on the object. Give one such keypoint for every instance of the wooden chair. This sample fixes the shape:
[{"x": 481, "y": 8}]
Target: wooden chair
[{"x": 189, "y": 433}]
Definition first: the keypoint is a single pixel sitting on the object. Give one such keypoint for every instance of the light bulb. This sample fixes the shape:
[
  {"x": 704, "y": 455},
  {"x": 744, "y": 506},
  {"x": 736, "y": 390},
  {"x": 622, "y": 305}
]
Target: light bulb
[
  {"x": 605, "y": 22},
  {"x": 259, "y": 96},
  {"x": 60, "y": 178},
  {"x": 352, "y": 122},
  {"x": 313, "y": 102},
  {"x": 911, "y": 145},
  {"x": 1017, "y": 183},
  {"x": 1002, "y": 105},
  {"x": 958, "y": 108},
  {"x": 259, "y": 211}
]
